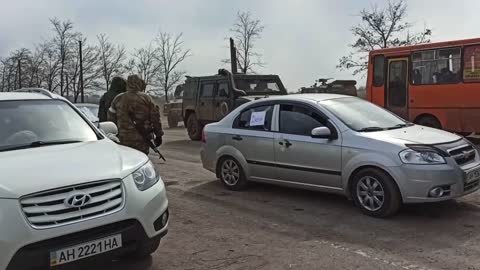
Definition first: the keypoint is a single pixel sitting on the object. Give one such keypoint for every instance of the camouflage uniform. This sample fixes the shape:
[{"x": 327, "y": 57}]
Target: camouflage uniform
[
  {"x": 138, "y": 104},
  {"x": 118, "y": 86}
]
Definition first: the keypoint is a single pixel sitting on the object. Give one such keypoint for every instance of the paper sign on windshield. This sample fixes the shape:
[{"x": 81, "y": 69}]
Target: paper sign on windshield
[{"x": 257, "y": 119}]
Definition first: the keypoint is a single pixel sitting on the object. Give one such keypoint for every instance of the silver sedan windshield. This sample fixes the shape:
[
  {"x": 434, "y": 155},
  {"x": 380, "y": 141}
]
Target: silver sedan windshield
[{"x": 361, "y": 115}]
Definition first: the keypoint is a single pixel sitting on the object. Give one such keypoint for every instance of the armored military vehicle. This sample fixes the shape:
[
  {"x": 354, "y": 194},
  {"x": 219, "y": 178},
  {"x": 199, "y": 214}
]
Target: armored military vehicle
[
  {"x": 208, "y": 99},
  {"x": 343, "y": 87}
]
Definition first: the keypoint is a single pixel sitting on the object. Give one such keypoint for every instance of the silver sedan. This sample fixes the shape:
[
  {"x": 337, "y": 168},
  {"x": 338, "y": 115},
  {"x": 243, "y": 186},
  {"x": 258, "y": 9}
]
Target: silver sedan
[{"x": 343, "y": 145}]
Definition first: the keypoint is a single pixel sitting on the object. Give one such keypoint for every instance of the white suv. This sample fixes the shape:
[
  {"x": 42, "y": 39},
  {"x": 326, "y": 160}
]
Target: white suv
[{"x": 69, "y": 195}]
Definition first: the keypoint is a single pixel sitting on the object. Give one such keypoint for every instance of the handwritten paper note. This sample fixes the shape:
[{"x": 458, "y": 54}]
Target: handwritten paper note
[{"x": 257, "y": 119}]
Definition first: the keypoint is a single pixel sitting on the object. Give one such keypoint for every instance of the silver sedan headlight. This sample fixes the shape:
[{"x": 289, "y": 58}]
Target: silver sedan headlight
[
  {"x": 421, "y": 157},
  {"x": 146, "y": 176}
]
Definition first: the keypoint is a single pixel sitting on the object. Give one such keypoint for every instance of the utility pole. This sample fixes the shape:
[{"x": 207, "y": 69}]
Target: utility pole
[
  {"x": 233, "y": 56},
  {"x": 66, "y": 84},
  {"x": 81, "y": 70},
  {"x": 19, "y": 74}
]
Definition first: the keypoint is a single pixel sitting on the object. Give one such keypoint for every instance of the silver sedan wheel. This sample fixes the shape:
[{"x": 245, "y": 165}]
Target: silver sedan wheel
[
  {"x": 370, "y": 193},
  {"x": 230, "y": 172}
]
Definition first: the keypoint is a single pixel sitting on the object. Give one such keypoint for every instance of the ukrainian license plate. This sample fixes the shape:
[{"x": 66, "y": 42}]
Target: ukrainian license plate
[
  {"x": 473, "y": 176},
  {"x": 89, "y": 249}
]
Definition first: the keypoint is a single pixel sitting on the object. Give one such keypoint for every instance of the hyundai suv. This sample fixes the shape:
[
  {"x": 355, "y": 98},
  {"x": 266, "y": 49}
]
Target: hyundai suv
[{"x": 69, "y": 195}]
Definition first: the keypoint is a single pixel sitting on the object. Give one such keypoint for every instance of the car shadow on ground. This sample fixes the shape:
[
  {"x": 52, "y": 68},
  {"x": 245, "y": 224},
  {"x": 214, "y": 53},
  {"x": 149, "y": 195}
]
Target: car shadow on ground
[
  {"x": 333, "y": 217},
  {"x": 281, "y": 195}
]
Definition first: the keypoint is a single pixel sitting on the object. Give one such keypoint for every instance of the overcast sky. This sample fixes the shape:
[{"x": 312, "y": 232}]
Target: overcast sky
[{"x": 302, "y": 40}]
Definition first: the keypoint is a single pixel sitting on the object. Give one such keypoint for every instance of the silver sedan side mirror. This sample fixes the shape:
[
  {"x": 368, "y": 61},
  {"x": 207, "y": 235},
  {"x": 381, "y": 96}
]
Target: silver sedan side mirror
[{"x": 321, "y": 133}]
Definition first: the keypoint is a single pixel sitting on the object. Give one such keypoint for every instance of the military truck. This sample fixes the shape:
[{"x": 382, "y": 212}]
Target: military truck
[
  {"x": 208, "y": 99},
  {"x": 343, "y": 87},
  {"x": 173, "y": 109}
]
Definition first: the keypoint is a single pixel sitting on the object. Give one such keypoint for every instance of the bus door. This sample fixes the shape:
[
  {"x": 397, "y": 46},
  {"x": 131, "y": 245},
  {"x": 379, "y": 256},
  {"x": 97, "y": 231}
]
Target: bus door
[{"x": 396, "y": 88}]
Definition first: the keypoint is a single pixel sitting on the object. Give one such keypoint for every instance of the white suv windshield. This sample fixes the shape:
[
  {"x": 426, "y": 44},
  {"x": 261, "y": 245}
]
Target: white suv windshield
[
  {"x": 34, "y": 123},
  {"x": 362, "y": 115}
]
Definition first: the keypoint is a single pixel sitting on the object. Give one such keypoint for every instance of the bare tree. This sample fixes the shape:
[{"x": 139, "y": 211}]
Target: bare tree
[
  {"x": 144, "y": 62},
  {"x": 130, "y": 67},
  {"x": 111, "y": 59},
  {"x": 9, "y": 74},
  {"x": 380, "y": 28},
  {"x": 170, "y": 54},
  {"x": 64, "y": 41},
  {"x": 35, "y": 67},
  {"x": 247, "y": 31},
  {"x": 16, "y": 69},
  {"x": 50, "y": 67},
  {"x": 3, "y": 70}
]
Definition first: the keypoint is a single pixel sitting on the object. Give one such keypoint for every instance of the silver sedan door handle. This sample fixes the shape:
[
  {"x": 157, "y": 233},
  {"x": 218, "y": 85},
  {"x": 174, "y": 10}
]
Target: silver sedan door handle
[{"x": 287, "y": 143}]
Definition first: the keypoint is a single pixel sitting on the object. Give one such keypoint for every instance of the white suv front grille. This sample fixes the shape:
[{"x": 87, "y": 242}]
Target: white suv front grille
[{"x": 73, "y": 204}]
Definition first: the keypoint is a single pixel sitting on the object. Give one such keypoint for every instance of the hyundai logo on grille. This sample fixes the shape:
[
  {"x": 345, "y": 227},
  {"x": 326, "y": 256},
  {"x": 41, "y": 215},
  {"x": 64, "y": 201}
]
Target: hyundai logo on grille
[{"x": 77, "y": 199}]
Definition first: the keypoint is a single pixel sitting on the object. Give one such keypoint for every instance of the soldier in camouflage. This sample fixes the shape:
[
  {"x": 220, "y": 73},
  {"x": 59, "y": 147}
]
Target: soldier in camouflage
[
  {"x": 118, "y": 86},
  {"x": 136, "y": 107}
]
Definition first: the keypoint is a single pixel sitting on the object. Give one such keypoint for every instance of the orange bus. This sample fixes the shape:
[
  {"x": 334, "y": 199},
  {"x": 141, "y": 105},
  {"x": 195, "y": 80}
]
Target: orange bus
[{"x": 434, "y": 84}]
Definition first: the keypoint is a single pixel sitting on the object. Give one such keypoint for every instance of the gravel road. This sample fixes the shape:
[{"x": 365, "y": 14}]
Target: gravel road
[{"x": 269, "y": 227}]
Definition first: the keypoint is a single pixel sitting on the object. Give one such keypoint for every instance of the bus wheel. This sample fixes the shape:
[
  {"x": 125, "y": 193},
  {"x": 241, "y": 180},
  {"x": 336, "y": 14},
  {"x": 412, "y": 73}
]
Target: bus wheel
[{"x": 429, "y": 121}]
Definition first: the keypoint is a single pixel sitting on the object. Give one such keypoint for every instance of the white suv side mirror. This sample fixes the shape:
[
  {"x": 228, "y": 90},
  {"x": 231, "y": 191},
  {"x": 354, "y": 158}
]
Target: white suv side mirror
[{"x": 108, "y": 128}]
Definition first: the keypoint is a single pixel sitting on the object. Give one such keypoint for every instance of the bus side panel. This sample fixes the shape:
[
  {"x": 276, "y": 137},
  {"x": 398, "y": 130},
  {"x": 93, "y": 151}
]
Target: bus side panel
[
  {"x": 470, "y": 120},
  {"x": 456, "y": 106},
  {"x": 378, "y": 96}
]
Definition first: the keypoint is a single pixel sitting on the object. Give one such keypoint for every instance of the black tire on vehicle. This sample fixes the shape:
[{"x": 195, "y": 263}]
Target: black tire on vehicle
[
  {"x": 172, "y": 121},
  {"x": 376, "y": 193},
  {"x": 231, "y": 174},
  {"x": 429, "y": 121},
  {"x": 144, "y": 248},
  {"x": 194, "y": 128}
]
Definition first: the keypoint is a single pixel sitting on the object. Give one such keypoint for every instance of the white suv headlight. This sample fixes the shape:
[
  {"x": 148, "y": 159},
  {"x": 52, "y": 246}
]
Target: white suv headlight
[
  {"x": 423, "y": 157},
  {"x": 146, "y": 176}
]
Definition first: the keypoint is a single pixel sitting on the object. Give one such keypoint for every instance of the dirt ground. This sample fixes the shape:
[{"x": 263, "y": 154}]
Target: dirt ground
[{"x": 268, "y": 227}]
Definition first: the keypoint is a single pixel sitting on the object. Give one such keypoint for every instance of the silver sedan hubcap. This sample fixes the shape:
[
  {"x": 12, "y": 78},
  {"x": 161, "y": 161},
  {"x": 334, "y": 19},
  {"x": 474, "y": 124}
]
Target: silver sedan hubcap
[
  {"x": 370, "y": 193},
  {"x": 230, "y": 172}
]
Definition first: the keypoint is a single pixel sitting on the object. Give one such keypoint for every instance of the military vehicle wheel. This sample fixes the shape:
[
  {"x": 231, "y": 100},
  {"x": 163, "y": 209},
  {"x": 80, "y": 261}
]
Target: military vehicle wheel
[
  {"x": 194, "y": 128},
  {"x": 172, "y": 121}
]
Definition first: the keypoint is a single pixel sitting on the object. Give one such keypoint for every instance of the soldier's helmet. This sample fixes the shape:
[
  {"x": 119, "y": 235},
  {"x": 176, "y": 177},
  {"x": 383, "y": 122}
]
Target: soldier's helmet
[{"x": 135, "y": 84}]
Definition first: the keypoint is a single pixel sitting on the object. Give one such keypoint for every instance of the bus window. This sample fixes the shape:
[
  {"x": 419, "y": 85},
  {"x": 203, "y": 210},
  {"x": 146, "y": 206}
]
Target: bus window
[
  {"x": 378, "y": 70},
  {"x": 471, "y": 60},
  {"x": 436, "y": 66}
]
